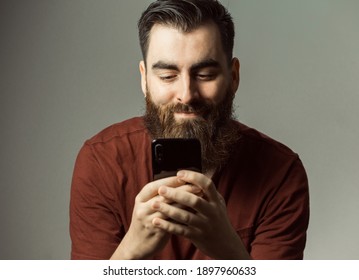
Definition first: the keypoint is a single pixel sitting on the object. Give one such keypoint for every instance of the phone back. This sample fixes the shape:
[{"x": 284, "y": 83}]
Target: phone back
[{"x": 171, "y": 155}]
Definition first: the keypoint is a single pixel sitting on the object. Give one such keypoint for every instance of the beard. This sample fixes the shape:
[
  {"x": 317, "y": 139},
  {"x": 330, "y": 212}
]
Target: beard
[{"x": 214, "y": 127}]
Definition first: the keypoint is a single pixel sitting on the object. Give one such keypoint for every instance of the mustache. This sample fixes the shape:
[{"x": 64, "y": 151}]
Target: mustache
[{"x": 195, "y": 107}]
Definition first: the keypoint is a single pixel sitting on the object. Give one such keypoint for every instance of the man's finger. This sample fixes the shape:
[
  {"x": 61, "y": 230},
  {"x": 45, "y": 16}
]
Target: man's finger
[
  {"x": 199, "y": 180},
  {"x": 151, "y": 189}
]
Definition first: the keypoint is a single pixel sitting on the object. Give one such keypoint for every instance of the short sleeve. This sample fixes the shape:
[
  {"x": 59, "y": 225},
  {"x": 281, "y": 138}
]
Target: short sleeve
[
  {"x": 281, "y": 232},
  {"x": 95, "y": 228}
]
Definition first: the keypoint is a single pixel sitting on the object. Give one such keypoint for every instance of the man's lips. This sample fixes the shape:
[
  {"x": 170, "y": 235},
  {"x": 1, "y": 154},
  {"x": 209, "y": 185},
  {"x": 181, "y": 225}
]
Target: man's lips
[
  {"x": 186, "y": 114},
  {"x": 182, "y": 116}
]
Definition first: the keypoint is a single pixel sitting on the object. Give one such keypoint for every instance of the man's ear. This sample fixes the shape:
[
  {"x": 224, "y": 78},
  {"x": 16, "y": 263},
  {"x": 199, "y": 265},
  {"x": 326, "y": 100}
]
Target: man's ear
[
  {"x": 235, "y": 74},
  {"x": 142, "y": 67}
]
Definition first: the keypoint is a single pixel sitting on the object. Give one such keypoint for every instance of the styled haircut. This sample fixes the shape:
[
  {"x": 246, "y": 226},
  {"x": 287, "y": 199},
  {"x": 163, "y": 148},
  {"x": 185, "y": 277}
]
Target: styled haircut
[{"x": 187, "y": 15}]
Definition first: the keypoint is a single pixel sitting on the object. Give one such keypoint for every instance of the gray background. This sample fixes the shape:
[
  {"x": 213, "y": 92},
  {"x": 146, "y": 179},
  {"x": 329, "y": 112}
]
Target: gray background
[{"x": 70, "y": 68}]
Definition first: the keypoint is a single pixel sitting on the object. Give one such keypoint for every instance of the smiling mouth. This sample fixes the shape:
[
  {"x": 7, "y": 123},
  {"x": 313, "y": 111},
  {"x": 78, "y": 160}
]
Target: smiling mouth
[
  {"x": 182, "y": 111},
  {"x": 186, "y": 114}
]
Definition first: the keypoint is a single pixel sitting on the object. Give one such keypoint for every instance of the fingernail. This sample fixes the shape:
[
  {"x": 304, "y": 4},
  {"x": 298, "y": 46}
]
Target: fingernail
[
  {"x": 156, "y": 205},
  {"x": 196, "y": 189},
  {"x": 156, "y": 222},
  {"x": 162, "y": 190},
  {"x": 180, "y": 173}
]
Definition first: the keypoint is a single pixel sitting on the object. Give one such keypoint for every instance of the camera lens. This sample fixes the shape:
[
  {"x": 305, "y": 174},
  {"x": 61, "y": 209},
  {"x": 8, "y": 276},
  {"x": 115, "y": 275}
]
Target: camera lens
[{"x": 159, "y": 153}]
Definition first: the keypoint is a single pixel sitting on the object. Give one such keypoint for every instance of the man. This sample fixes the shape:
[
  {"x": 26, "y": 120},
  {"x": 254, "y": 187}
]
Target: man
[{"x": 251, "y": 200}]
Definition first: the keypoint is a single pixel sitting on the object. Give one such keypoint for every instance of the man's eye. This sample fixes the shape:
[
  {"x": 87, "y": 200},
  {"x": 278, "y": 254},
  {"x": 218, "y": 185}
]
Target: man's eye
[
  {"x": 206, "y": 77},
  {"x": 167, "y": 78}
]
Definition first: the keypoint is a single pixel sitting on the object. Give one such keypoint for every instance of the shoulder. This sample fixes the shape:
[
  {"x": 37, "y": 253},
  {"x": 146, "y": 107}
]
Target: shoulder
[
  {"x": 261, "y": 142},
  {"x": 267, "y": 156},
  {"x": 131, "y": 128},
  {"x": 117, "y": 147}
]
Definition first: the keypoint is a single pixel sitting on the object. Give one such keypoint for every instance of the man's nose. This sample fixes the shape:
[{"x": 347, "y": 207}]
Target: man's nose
[{"x": 188, "y": 90}]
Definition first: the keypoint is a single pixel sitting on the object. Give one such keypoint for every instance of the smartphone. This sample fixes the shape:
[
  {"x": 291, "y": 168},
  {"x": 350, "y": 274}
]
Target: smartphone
[{"x": 173, "y": 154}]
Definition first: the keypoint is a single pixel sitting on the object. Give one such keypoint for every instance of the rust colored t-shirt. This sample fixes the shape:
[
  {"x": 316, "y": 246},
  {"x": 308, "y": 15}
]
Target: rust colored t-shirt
[{"x": 264, "y": 185}]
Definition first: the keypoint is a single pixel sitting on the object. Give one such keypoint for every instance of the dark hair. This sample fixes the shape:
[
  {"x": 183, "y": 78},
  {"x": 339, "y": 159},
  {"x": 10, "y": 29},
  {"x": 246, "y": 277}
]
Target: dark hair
[{"x": 186, "y": 15}]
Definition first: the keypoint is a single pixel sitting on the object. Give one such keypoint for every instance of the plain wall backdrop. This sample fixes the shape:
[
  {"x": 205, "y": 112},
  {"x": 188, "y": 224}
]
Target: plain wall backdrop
[{"x": 69, "y": 68}]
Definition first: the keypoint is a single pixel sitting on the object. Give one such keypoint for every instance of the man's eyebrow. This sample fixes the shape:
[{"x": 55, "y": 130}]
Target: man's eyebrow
[
  {"x": 164, "y": 65},
  {"x": 205, "y": 64},
  {"x": 161, "y": 65}
]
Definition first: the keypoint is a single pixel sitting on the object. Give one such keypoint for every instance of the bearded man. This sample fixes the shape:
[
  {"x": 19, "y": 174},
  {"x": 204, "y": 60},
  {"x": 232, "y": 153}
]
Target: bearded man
[{"x": 251, "y": 201}]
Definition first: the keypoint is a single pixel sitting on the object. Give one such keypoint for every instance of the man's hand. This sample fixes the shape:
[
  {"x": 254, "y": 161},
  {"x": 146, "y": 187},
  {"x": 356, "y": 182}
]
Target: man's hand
[
  {"x": 202, "y": 219},
  {"x": 143, "y": 239}
]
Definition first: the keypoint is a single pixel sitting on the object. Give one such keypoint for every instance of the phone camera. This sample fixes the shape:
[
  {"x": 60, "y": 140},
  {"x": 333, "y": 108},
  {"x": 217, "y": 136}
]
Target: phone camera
[{"x": 159, "y": 153}]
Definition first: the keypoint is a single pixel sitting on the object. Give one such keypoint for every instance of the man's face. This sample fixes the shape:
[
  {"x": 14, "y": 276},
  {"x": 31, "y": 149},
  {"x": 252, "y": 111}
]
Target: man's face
[
  {"x": 189, "y": 88},
  {"x": 185, "y": 69}
]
